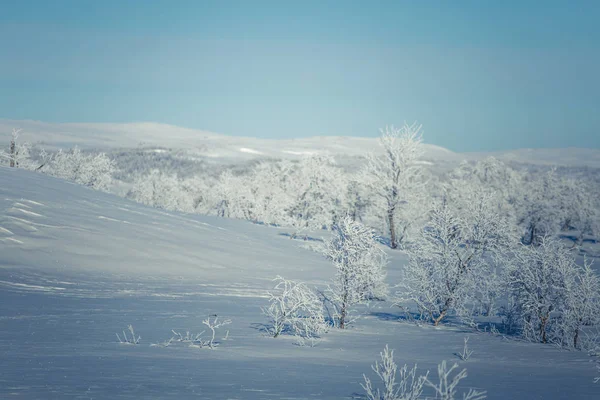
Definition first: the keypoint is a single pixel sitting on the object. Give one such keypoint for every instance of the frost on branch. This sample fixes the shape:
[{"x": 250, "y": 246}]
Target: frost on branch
[
  {"x": 213, "y": 326},
  {"x": 129, "y": 340},
  {"x": 466, "y": 352},
  {"x": 404, "y": 384},
  {"x": 294, "y": 308},
  {"x": 448, "y": 380},
  {"x": 397, "y": 385},
  {"x": 359, "y": 262}
]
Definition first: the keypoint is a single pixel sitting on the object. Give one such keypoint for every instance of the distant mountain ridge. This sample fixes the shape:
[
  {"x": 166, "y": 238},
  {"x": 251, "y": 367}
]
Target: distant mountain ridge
[{"x": 200, "y": 143}]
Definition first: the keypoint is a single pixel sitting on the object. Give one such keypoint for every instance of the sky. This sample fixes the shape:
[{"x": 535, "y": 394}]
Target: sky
[{"x": 479, "y": 75}]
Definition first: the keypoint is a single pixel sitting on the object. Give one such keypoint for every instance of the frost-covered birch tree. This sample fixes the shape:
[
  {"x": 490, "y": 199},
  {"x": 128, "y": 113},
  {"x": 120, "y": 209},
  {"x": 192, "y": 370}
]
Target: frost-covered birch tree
[
  {"x": 395, "y": 176},
  {"x": 359, "y": 262},
  {"x": 451, "y": 255},
  {"x": 552, "y": 295},
  {"x": 18, "y": 154},
  {"x": 318, "y": 187}
]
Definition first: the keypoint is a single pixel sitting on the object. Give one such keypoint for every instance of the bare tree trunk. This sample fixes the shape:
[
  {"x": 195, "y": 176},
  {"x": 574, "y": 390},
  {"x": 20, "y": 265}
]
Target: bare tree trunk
[
  {"x": 393, "y": 240},
  {"x": 13, "y": 151},
  {"x": 436, "y": 321}
]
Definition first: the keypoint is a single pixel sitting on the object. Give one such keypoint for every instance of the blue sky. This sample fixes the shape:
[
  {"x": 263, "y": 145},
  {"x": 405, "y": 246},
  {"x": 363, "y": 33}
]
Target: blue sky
[{"x": 479, "y": 75}]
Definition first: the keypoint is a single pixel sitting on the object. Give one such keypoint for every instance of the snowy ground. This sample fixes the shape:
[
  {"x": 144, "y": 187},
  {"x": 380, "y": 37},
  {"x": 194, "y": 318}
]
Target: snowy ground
[{"x": 76, "y": 266}]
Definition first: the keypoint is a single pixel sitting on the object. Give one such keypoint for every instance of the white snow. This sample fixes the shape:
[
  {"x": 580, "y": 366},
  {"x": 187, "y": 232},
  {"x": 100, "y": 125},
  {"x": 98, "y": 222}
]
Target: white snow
[
  {"x": 164, "y": 271},
  {"x": 250, "y": 151}
]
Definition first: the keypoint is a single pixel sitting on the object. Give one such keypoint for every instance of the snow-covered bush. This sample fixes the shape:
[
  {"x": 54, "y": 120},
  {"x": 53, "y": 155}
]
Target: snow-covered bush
[
  {"x": 213, "y": 325},
  {"x": 448, "y": 380},
  {"x": 359, "y": 262},
  {"x": 294, "y": 307},
  {"x": 553, "y": 297},
  {"x": 93, "y": 170},
  {"x": 196, "y": 340},
  {"x": 466, "y": 352},
  {"x": 396, "y": 176},
  {"x": 451, "y": 255},
  {"x": 404, "y": 384},
  {"x": 581, "y": 308}
]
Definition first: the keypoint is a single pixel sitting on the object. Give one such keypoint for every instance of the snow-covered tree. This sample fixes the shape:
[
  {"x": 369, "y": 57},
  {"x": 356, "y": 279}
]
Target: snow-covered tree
[
  {"x": 538, "y": 280},
  {"x": 93, "y": 170},
  {"x": 582, "y": 306},
  {"x": 578, "y": 210},
  {"x": 232, "y": 197},
  {"x": 396, "y": 176},
  {"x": 271, "y": 201},
  {"x": 161, "y": 190},
  {"x": 317, "y": 186},
  {"x": 18, "y": 154},
  {"x": 356, "y": 201},
  {"x": 451, "y": 256},
  {"x": 296, "y": 308},
  {"x": 490, "y": 176},
  {"x": 359, "y": 263},
  {"x": 551, "y": 204}
]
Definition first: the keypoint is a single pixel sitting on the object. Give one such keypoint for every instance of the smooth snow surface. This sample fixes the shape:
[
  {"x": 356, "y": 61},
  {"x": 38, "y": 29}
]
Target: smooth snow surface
[{"x": 77, "y": 266}]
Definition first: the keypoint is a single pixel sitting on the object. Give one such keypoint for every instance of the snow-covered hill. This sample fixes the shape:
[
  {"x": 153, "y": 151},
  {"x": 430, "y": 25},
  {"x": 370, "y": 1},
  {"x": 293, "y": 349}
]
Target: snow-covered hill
[
  {"x": 77, "y": 265},
  {"x": 202, "y": 144}
]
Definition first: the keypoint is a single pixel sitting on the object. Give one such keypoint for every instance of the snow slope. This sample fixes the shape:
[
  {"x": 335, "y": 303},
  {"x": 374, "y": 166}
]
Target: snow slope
[{"x": 76, "y": 266}]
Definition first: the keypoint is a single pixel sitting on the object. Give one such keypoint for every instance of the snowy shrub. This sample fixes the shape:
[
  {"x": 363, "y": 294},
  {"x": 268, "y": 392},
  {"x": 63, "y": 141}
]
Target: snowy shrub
[
  {"x": 466, "y": 352},
  {"x": 129, "y": 340},
  {"x": 553, "y": 297},
  {"x": 359, "y": 262},
  {"x": 295, "y": 308},
  {"x": 93, "y": 170},
  {"x": 448, "y": 380},
  {"x": 213, "y": 326},
  {"x": 191, "y": 339},
  {"x": 452, "y": 255},
  {"x": 581, "y": 308},
  {"x": 396, "y": 177},
  {"x": 404, "y": 384}
]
